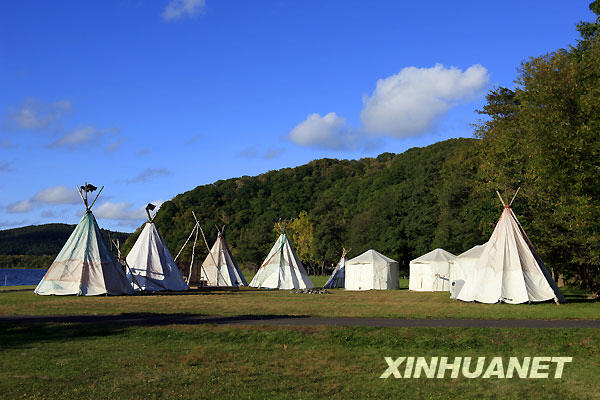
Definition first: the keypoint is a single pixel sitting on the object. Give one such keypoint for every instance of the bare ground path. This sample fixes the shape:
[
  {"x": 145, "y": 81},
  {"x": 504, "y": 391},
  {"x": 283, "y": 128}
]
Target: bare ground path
[{"x": 151, "y": 319}]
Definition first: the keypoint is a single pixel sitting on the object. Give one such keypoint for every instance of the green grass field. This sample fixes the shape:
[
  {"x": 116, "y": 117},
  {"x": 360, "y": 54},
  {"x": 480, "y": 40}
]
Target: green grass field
[
  {"x": 72, "y": 361},
  {"x": 339, "y": 303}
]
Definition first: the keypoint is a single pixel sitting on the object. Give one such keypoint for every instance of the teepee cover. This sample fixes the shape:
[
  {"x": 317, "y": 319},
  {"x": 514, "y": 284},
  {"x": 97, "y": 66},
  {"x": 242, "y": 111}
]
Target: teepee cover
[
  {"x": 337, "y": 278},
  {"x": 509, "y": 270},
  {"x": 431, "y": 271},
  {"x": 282, "y": 269},
  {"x": 371, "y": 270},
  {"x": 151, "y": 263},
  {"x": 219, "y": 268},
  {"x": 85, "y": 265}
]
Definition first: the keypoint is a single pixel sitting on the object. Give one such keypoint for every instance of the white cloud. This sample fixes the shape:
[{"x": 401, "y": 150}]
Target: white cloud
[
  {"x": 124, "y": 211},
  {"x": 20, "y": 207},
  {"x": 410, "y": 102},
  {"x": 57, "y": 195},
  {"x": 272, "y": 153},
  {"x": 148, "y": 174},
  {"x": 119, "y": 211},
  {"x": 36, "y": 115},
  {"x": 177, "y": 9},
  {"x": 327, "y": 131}
]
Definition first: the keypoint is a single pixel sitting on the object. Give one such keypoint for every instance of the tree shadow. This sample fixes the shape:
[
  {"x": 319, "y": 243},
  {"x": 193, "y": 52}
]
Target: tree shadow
[{"x": 26, "y": 331}]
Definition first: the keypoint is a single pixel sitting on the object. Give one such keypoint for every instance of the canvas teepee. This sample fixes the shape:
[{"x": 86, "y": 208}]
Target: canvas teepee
[
  {"x": 219, "y": 268},
  {"x": 431, "y": 271},
  {"x": 151, "y": 263},
  {"x": 509, "y": 269},
  {"x": 282, "y": 269},
  {"x": 337, "y": 278},
  {"x": 85, "y": 266}
]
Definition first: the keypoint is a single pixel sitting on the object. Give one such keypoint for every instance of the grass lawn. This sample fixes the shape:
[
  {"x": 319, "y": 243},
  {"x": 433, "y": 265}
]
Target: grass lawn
[
  {"x": 71, "y": 361},
  {"x": 339, "y": 303}
]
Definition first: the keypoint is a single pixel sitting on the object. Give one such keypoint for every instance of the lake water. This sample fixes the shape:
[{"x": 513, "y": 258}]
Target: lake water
[{"x": 21, "y": 276}]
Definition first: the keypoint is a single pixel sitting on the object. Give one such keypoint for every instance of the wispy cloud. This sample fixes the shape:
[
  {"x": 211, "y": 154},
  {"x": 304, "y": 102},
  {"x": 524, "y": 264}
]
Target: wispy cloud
[
  {"x": 143, "y": 151},
  {"x": 252, "y": 152},
  {"x": 87, "y": 135},
  {"x": 7, "y": 144},
  {"x": 13, "y": 224},
  {"x": 148, "y": 174},
  {"x": 20, "y": 207},
  {"x": 6, "y": 166},
  {"x": 193, "y": 139},
  {"x": 177, "y": 9},
  {"x": 36, "y": 115}
]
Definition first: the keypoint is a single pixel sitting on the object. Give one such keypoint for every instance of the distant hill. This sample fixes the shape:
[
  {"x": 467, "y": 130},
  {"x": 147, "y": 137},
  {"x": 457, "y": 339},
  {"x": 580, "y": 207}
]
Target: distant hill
[
  {"x": 34, "y": 245},
  {"x": 403, "y": 205}
]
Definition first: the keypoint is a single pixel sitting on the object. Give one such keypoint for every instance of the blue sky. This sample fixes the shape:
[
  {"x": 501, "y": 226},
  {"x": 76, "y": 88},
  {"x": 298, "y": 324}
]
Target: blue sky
[{"x": 153, "y": 98}]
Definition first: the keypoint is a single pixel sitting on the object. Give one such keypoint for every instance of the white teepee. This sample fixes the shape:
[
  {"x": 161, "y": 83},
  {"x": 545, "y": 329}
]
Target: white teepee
[
  {"x": 509, "y": 269},
  {"x": 282, "y": 269},
  {"x": 85, "y": 266},
  {"x": 151, "y": 263},
  {"x": 371, "y": 270},
  {"x": 219, "y": 268},
  {"x": 431, "y": 271},
  {"x": 338, "y": 277}
]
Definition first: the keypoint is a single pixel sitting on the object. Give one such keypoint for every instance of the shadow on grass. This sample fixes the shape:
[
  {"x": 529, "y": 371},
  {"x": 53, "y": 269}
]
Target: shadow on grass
[{"x": 19, "y": 331}]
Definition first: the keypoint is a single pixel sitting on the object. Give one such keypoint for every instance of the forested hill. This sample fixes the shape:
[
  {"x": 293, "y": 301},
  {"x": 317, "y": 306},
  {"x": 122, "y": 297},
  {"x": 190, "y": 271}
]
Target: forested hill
[
  {"x": 38, "y": 245},
  {"x": 402, "y": 205}
]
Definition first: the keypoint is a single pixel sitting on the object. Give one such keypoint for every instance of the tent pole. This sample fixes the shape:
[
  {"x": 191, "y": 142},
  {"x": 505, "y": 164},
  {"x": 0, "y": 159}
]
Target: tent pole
[
  {"x": 500, "y": 198},
  {"x": 193, "y": 249},
  {"x": 513, "y": 199},
  {"x": 97, "y": 196}
]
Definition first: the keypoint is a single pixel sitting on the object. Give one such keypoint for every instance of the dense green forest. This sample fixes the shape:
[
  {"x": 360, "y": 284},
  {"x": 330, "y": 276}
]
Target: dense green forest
[
  {"x": 403, "y": 205},
  {"x": 38, "y": 245}
]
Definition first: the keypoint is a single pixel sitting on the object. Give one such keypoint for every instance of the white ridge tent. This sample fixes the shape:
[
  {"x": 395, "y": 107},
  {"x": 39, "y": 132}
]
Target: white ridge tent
[
  {"x": 282, "y": 269},
  {"x": 85, "y": 266},
  {"x": 462, "y": 268},
  {"x": 337, "y": 278},
  {"x": 219, "y": 268},
  {"x": 371, "y": 270},
  {"x": 151, "y": 263},
  {"x": 431, "y": 272},
  {"x": 509, "y": 269}
]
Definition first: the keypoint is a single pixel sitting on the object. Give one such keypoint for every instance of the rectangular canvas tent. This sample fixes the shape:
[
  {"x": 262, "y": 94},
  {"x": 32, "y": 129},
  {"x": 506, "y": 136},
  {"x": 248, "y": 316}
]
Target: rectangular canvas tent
[
  {"x": 462, "y": 269},
  {"x": 431, "y": 272},
  {"x": 371, "y": 270}
]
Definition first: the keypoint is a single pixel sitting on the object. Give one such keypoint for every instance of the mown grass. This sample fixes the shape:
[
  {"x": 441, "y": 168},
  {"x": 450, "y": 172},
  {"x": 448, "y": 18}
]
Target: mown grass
[
  {"x": 61, "y": 361},
  {"x": 339, "y": 303}
]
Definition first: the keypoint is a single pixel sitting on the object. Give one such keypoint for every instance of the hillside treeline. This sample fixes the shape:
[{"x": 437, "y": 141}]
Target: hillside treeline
[{"x": 403, "y": 205}]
